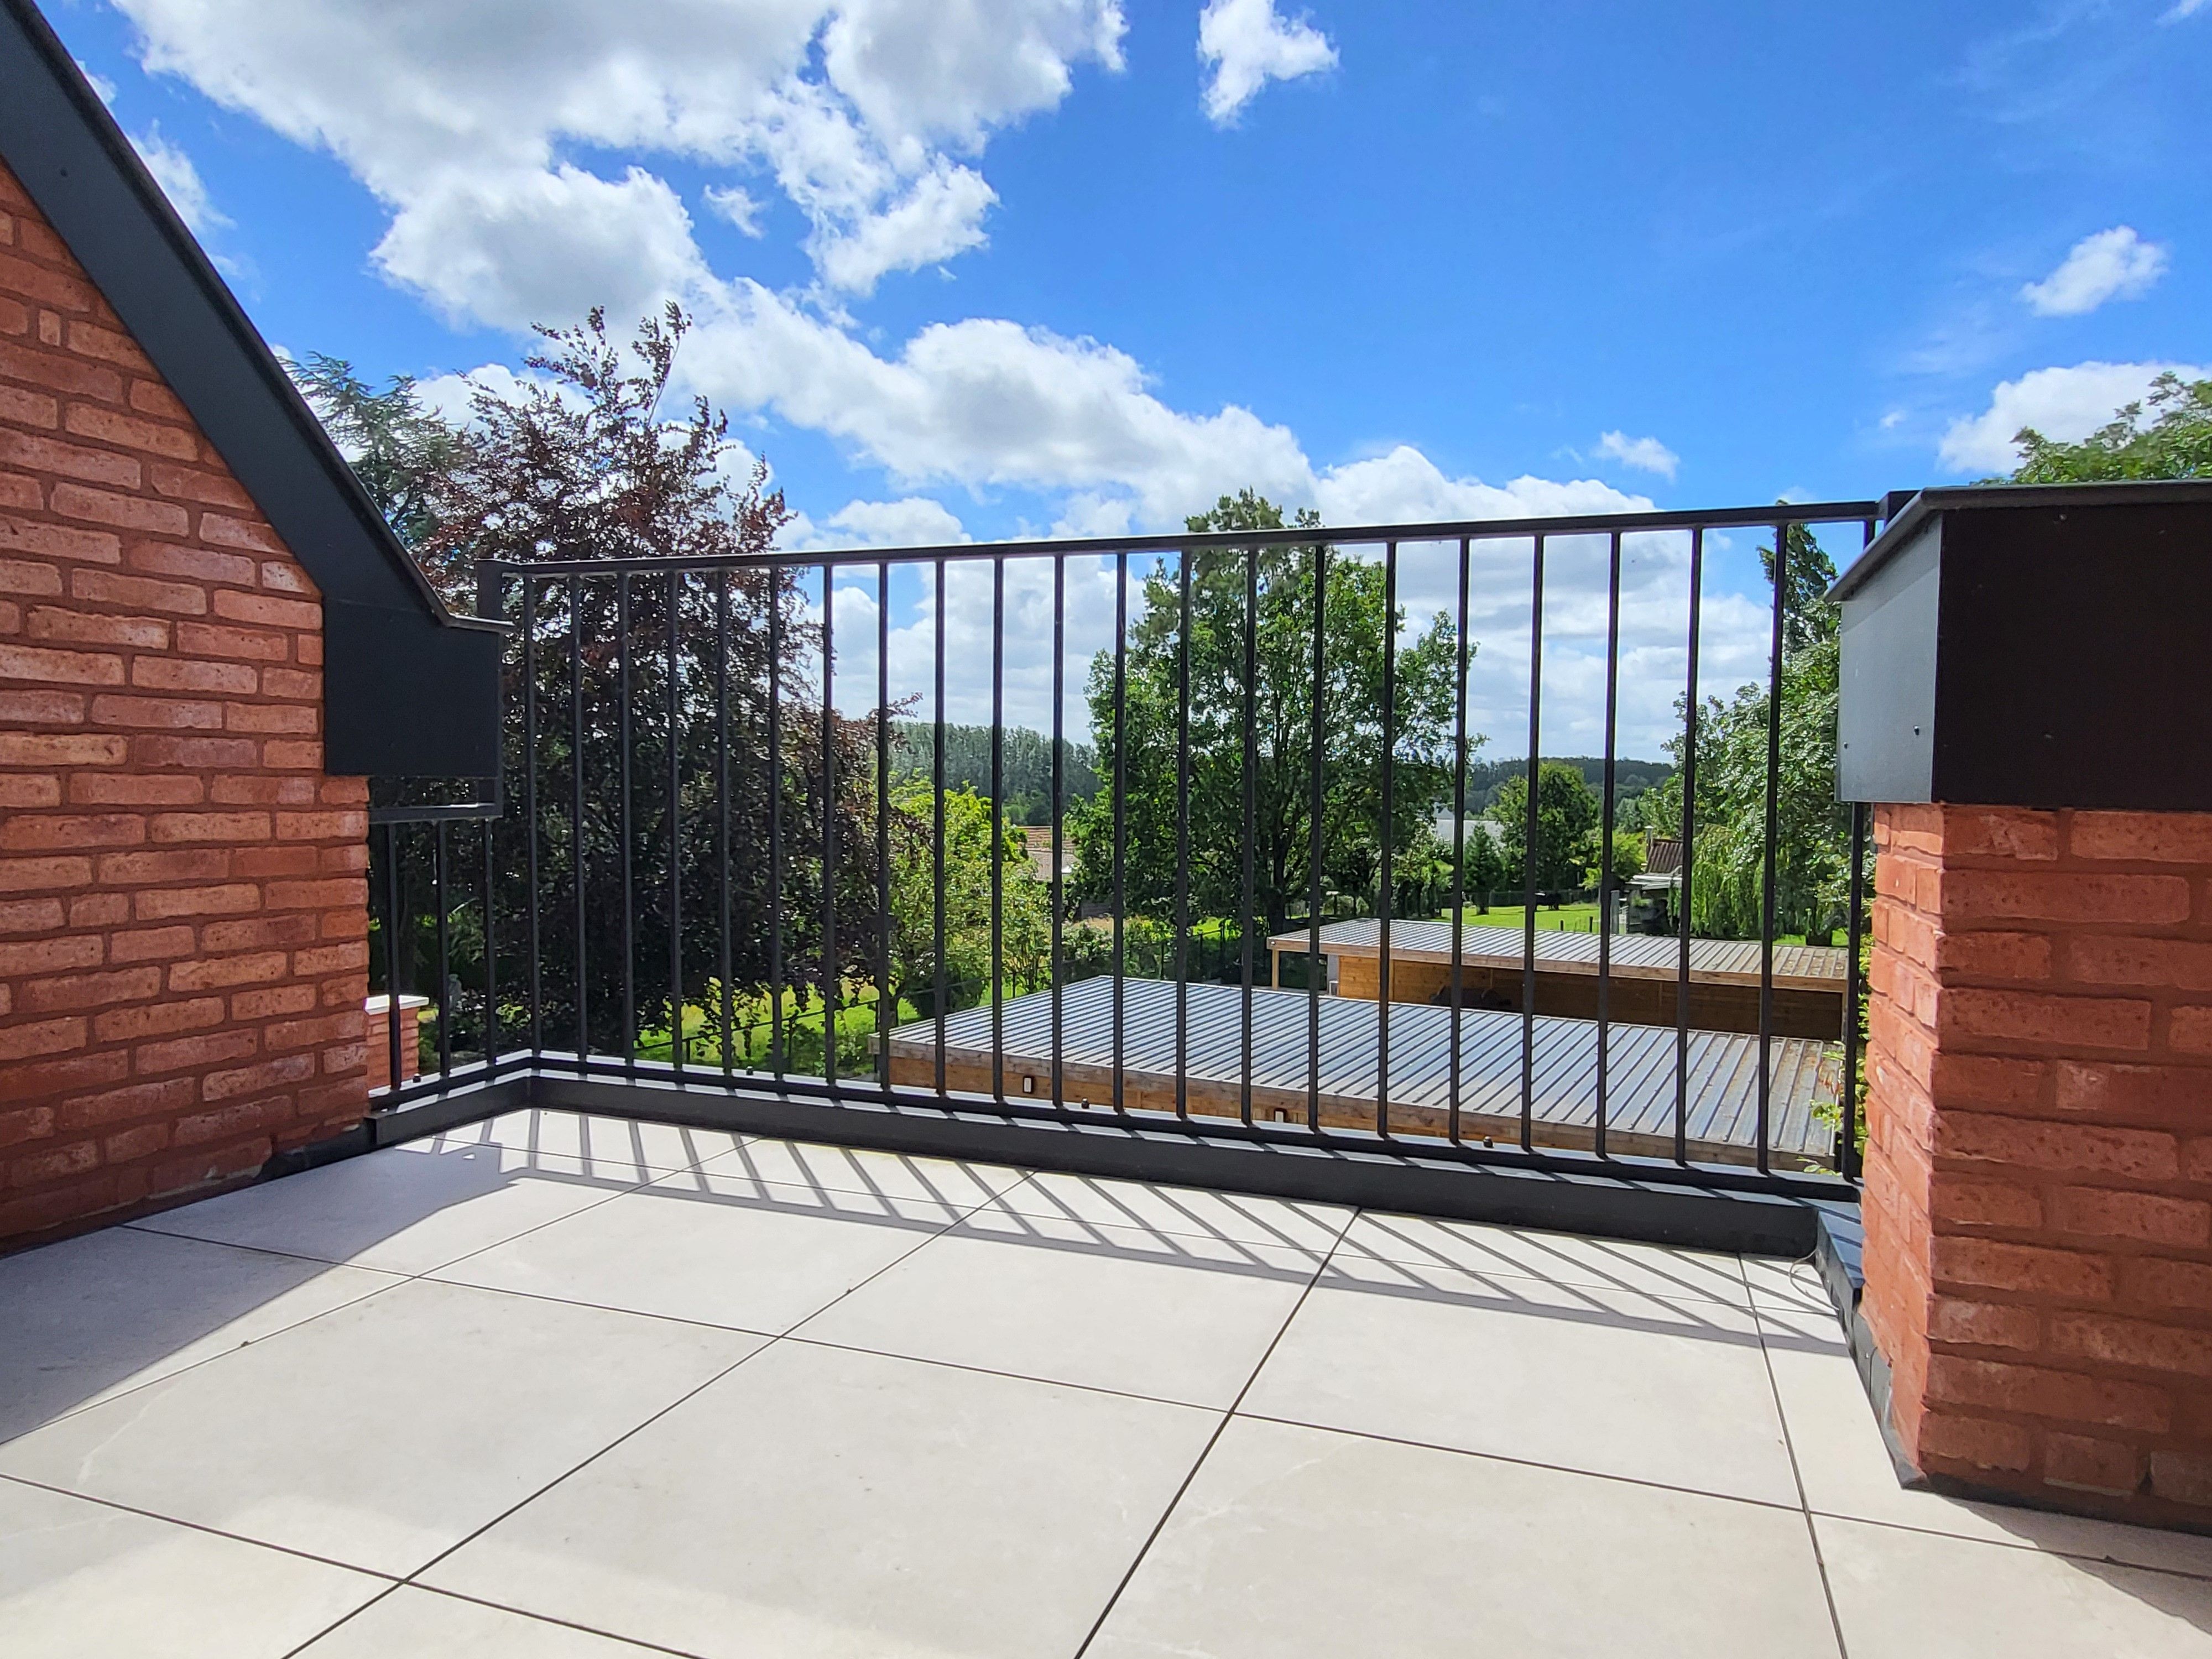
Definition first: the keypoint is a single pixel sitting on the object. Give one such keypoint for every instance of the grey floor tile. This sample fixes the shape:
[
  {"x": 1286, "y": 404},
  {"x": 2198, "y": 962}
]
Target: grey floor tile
[
  {"x": 1294, "y": 1543},
  {"x": 406, "y": 1209},
  {"x": 1904, "y": 1594},
  {"x": 1490, "y": 1250},
  {"x": 897, "y": 1176},
  {"x": 725, "y": 1250},
  {"x": 1171, "y": 1317},
  {"x": 83, "y": 1581},
  {"x": 1793, "y": 1286},
  {"x": 1847, "y": 1469},
  {"x": 97, "y": 1314},
  {"x": 607, "y": 1148},
  {"x": 1603, "y": 1381},
  {"x": 383, "y": 1432},
  {"x": 418, "y": 1624},
  {"x": 1195, "y": 1211},
  {"x": 816, "y": 1504}
]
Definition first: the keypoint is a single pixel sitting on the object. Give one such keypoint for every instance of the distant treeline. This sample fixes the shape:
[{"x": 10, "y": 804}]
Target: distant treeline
[
  {"x": 1631, "y": 778},
  {"x": 1026, "y": 763}
]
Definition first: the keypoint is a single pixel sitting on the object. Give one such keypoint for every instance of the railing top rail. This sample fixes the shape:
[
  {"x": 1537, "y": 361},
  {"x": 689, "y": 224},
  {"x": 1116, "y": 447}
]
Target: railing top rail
[{"x": 1755, "y": 517}]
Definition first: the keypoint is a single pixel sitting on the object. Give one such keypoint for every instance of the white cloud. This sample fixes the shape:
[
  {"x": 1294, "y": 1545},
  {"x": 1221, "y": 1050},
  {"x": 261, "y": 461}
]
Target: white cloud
[
  {"x": 2182, "y": 9},
  {"x": 1249, "y": 43},
  {"x": 736, "y": 204},
  {"x": 544, "y": 245},
  {"x": 940, "y": 215},
  {"x": 2063, "y": 404},
  {"x": 854, "y": 105},
  {"x": 2113, "y": 264},
  {"x": 178, "y": 179},
  {"x": 1645, "y": 455},
  {"x": 913, "y": 522}
]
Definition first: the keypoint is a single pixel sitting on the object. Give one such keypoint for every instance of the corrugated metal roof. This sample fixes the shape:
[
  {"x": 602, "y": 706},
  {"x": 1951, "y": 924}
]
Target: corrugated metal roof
[
  {"x": 1723, "y": 1067},
  {"x": 1634, "y": 956}
]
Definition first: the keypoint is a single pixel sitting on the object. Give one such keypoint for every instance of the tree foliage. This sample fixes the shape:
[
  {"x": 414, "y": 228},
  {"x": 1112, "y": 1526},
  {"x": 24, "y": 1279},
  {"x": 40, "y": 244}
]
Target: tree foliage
[
  {"x": 1567, "y": 812},
  {"x": 1025, "y": 765},
  {"x": 653, "y": 675},
  {"x": 1025, "y": 919},
  {"x": 399, "y": 448},
  {"x": 1140, "y": 728},
  {"x": 2175, "y": 442},
  {"x": 1812, "y": 843}
]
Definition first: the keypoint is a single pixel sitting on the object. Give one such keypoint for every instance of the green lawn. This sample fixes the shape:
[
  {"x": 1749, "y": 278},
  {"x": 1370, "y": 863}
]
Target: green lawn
[{"x": 1567, "y": 919}]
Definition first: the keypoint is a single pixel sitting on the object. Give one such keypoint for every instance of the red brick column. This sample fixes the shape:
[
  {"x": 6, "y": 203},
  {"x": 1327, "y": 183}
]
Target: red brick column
[
  {"x": 2039, "y": 1176},
  {"x": 182, "y": 920}
]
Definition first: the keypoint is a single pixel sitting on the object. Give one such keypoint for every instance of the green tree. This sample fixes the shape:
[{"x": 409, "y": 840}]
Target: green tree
[
  {"x": 590, "y": 461},
  {"x": 1143, "y": 730},
  {"x": 2175, "y": 443},
  {"x": 1567, "y": 814},
  {"x": 1812, "y": 844},
  {"x": 1025, "y": 903},
  {"x": 398, "y": 446},
  {"x": 1025, "y": 765}
]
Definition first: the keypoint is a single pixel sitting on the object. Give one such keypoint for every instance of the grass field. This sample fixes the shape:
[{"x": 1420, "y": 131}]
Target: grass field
[{"x": 1567, "y": 919}]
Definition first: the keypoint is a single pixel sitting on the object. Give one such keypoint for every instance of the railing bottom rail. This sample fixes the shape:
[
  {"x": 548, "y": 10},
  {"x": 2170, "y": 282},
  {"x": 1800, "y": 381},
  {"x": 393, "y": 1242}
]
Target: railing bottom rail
[{"x": 1700, "y": 1207}]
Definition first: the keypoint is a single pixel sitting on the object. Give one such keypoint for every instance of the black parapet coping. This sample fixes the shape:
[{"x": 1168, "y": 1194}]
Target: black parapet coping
[
  {"x": 406, "y": 678},
  {"x": 2038, "y": 646},
  {"x": 1913, "y": 512},
  {"x": 1684, "y": 1215}
]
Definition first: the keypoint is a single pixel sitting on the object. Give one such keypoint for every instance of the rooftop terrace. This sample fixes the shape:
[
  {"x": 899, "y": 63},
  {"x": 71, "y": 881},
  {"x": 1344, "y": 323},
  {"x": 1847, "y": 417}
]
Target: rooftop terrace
[{"x": 558, "y": 1385}]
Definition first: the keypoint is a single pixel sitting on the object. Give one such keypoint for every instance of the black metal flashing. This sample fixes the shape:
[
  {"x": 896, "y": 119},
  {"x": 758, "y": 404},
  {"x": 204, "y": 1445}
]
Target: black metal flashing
[
  {"x": 396, "y": 636},
  {"x": 1926, "y": 504}
]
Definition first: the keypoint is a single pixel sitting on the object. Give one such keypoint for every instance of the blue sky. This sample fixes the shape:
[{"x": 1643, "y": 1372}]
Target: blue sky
[{"x": 1012, "y": 265}]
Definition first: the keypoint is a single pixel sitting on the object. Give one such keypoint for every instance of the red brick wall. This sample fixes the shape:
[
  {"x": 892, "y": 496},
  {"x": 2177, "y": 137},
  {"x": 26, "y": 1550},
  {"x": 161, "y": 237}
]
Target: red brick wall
[
  {"x": 2038, "y": 1182},
  {"x": 183, "y": 921}
]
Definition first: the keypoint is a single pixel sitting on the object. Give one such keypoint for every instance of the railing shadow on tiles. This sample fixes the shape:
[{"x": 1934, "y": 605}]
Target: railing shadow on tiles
[{"x": 1274, "y": 887}]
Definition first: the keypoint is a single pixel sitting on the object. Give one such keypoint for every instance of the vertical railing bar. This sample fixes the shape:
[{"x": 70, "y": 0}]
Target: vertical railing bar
[
  {"x": 829, "y": 976},
  {"x": 1386, "y": 895},
  {"x": 628, "y": 870},
  {"x": 1847, "y": 1155},
  {"x": 1121, "y": 812},
  {"x": 886, "y": 1000},
  {"x": 1689, "y": 832},
  {"x": 1182, "y": 837},
  {"x": 940, "y": 989},
  {"x": 445, "y": 957},
  {"x": 491, "y": 953},
  {"x": 1534, "y": 831},
  {"x": 392, "y": 950},
  {"x": 1605, "y": 844},
  {"x": 773, "y": 759},
  {"x": 1459, "y": 850},
  {"x": 724, "y": 806},
  {"x": 1059, "y": 809},
  {"x": 530, "y": 809},
  {"x": 998, "y": 828},
  {"x": 1244, "y": 925},
  {"x": 1316, "y": 964},
  {"x": 675, "y": 1038},
  {"x": 576, "y": 814},
  {"x": 1767, "y": 894}
]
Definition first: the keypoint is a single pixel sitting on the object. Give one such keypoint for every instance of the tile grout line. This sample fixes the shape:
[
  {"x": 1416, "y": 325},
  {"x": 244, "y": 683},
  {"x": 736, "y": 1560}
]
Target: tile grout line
[
  {"x": 1796, "y": 1474},
  {"x": 1212, "y": 1441},
  {"x": 397, "y": 1277},
  {"x": 200, "y": 1527},
  {"x": 393, "y": 1589},
  {"x": 688, "y": 1394}
]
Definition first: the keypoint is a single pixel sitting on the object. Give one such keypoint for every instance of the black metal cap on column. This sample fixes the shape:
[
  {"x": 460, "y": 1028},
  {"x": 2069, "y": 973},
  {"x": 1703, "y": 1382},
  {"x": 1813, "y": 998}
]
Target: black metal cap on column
[{"x": 2039, "y": 646}]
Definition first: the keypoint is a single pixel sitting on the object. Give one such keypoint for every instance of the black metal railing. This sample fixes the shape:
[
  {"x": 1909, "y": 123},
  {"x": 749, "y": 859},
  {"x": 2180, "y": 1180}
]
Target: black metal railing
[{"x": 699, "y": 868}]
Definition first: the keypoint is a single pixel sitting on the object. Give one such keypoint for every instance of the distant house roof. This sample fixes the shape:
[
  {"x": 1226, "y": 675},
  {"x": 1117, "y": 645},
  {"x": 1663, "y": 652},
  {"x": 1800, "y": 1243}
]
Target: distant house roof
[{"x": 403, "y": 676}]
